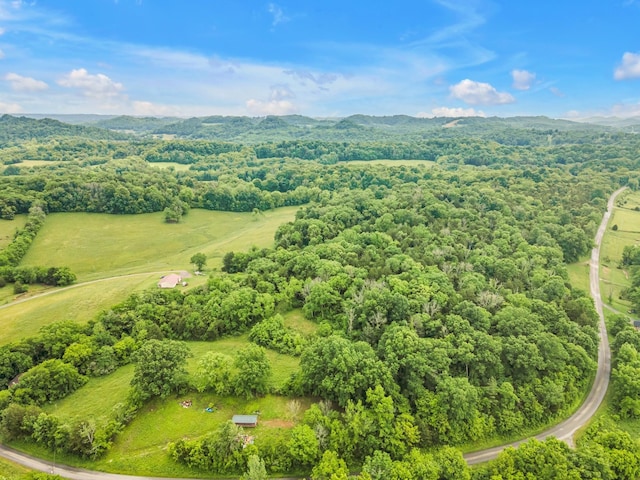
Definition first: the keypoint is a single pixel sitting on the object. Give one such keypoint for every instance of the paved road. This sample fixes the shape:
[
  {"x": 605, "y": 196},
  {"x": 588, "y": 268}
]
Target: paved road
[{"x": 563, "y": 431}]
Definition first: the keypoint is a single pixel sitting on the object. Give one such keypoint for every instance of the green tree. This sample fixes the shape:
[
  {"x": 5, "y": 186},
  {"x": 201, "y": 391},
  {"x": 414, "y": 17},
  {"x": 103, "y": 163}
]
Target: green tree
[
  {"x": 330, "y": 467},
  {"x": 160, "y": 367},
  {"x": 255, "y": 469},
  {"x": 303, "y": 446},
  {"x": 214, "y": 373},
  {"x": 253, "y": 371},
  {"x": 199, "y": 260}
]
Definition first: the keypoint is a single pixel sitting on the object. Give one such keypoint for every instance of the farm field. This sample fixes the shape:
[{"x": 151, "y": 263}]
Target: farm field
[
  {"x": 178, "y": 167},
  {"x": 78, "y": 303},
  {"x": 613, "y": 279},
  {"x": 102, "y": 245}
]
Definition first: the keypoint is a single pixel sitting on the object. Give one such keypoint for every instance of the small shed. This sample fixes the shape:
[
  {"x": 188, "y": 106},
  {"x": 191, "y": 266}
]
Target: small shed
[
  {"x": 170, "y": 281},
  {"x": 245, "y": 420},
  {"x": 636, "y": 324}
]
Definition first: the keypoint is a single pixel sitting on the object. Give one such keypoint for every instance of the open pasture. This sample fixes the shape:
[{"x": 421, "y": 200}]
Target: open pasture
[
  {"x": 80, "y": 303},
  {"x": 178, "y": 167},
  {"x": 102, "y": 245},
  {"x": 613, "y": 279}
]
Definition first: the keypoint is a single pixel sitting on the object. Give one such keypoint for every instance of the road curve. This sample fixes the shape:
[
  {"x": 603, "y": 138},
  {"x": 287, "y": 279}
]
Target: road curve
[{"x": 563, "y": 431}]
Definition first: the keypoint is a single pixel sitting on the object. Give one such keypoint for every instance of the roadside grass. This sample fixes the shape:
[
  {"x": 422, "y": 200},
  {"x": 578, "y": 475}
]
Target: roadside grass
[
  {"x": 9, "y": 227},
  {"x": 78, "y": 304},
  {"x": 295, "y": 319},
  {"x": 392, "y": 163},
  {"x": 12, "y": 471},
  {"x": 614, "y": 280},
  {"x": 102, "y": 245}
]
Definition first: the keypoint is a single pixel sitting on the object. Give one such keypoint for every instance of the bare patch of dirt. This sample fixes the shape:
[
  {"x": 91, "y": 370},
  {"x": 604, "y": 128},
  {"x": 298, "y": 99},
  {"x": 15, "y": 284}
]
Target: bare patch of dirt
[{"x": 277, "y": 423}]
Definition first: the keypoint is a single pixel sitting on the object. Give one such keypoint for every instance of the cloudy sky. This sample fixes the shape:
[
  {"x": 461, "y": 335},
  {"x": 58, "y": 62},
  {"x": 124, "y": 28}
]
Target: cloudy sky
[{"x": 561, "y": 58}]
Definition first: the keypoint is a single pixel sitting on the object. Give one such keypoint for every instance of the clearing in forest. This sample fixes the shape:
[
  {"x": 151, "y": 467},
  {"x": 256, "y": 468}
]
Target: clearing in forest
[{"x": 613, "y": 279}]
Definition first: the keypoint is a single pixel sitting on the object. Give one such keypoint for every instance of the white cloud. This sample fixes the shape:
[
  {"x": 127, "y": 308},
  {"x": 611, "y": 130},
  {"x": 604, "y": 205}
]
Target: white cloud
[
  {"x": 522, "y": 79},
  {"x": 24, "y": 84},
  {"x": 10, "y": 108},
  {"x": 95, "y": 86},
  {"x": 152, "y": 109},
  {"x": 2, "y": 31},
  {"x": 625, "y": 110},
  {"x": 1, "y": 54},
  {"x": 630, "y": 67},
  {"x": 452, "y": 112},
  {"x": 280, "y": 102},
  {"x": 278, "y": 14},
  {"x": 478, "y": 93}
]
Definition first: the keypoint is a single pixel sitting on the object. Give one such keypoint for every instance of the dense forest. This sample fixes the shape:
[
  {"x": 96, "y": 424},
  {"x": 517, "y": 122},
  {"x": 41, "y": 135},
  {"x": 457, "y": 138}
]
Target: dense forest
[{"x": 445, "y": 315}]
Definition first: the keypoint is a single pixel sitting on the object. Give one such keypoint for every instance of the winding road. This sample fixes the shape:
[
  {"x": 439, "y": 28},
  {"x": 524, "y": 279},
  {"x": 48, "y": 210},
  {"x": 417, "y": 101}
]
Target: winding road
[{"x": 563, "y": 431}]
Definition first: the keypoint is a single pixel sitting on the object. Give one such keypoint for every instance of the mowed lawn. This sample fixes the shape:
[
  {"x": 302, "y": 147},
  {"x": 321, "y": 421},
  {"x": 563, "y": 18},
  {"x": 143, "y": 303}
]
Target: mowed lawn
[
  {"x": 613, "y": 279},
  {"x": 102, "y": 245},
  {"x": 141, "y": 448}
]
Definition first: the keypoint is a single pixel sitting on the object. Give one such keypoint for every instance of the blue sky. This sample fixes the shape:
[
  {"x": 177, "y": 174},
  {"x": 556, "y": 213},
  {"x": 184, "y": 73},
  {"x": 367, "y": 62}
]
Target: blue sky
[{"x": 561, "y": 58}]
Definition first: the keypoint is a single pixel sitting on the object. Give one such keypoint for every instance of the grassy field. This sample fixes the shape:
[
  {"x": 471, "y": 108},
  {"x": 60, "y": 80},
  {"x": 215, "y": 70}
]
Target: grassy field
[
  {"x": 142, "y": 447},
  {"x": 79, "y": 304},
  {"x": 101, "y": 245},
  {"x": 295, "y": 320},
  {"x": 97, "y": 398},
  {"x": 178, "y": 167},
  {"x": 98, "y": 247},
  {"x": 613, "y": 279},
  {"x": 9, "y": 227},
  {"x": 579, "y": 274},
  {"x": 397, "y": 163},
  {"x": 12, "y": 471}
]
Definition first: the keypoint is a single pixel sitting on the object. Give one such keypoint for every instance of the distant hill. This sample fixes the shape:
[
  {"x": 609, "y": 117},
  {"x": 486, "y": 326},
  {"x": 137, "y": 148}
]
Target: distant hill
[
  {"x": 524, "y": 130},
  {"x": 135, "y": 124},
  {"x": 71, "y": 118},
  {"x": 22, "y": 128}
]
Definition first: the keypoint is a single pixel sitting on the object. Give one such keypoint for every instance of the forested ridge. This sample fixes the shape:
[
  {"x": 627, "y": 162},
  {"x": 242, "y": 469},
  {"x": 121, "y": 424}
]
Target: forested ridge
[{"x": 444, "y": 311}]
